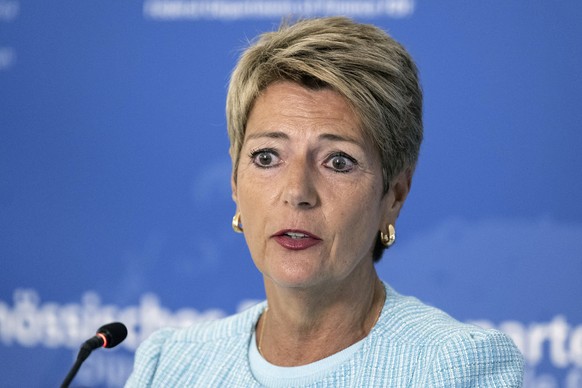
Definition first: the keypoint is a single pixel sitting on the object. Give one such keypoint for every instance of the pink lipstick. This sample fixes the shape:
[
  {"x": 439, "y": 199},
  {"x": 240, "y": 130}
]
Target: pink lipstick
[{"x": 295, "y": 239}]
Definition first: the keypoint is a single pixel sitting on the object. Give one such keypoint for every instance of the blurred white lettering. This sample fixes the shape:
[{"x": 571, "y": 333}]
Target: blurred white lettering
[
  {"x": 29, "y": 323},
  {"x": 243, "y": 9},
  {"x": 562, "y": 341}
]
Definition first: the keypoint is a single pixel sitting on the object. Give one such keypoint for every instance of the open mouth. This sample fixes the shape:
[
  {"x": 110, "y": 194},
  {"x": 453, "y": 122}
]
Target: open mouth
[
  {"x": 296, "y": 239},
  {"x": 295, "y": 235}
]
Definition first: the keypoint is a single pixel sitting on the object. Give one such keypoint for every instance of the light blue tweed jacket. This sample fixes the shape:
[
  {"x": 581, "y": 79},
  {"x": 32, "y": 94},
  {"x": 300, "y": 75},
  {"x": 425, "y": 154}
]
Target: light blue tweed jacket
[{"x": 412, "y": 345}]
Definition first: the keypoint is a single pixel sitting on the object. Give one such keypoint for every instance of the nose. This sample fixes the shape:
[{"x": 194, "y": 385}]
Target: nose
[{"x": 300, "y": 186}]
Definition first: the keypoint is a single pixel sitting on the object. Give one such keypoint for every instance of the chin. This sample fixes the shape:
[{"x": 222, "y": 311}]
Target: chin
[
  {"x": 296, "y": 278},
  {"x": 295, "y": 270}
]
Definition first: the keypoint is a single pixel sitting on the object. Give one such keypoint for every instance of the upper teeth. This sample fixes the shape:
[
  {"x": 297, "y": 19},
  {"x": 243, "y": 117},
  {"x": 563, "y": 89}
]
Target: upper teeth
[{"x": 295, "y": 235}]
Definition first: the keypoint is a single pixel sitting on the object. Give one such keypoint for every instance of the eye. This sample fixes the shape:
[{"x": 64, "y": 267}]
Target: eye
[
  {"x": 340, "y": 162},
  {"x": 265, "y": 158}
]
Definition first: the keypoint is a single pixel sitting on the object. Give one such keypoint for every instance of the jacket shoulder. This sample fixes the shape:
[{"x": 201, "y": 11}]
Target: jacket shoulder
[
  {"x": 449, "y": 352},
  {"x": 161, "y": 352}
]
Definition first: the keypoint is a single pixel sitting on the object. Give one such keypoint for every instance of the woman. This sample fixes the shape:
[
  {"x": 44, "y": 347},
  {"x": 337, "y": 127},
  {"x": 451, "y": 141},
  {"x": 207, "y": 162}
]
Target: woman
[{"x": 324, "y": 119}]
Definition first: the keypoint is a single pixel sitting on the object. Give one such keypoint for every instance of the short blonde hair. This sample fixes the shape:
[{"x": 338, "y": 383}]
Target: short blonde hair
[{"x": 360, "y": 61}]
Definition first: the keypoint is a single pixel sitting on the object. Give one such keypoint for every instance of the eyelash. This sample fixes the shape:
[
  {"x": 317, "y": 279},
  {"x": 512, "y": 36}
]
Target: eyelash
[
  {"x": 343, "y": 155},
  {"x": 255, "y": 153}
]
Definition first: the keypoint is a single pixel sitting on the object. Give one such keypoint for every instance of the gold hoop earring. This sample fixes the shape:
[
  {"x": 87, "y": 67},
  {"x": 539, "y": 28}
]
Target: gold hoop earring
[
  {"x": 236, "y": 226},
  {"x": 388, "y": 239}
]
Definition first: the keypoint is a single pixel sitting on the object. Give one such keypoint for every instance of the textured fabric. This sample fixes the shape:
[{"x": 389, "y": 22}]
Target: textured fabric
[
  {"x": 412, "y": 345},
  {"x": 275, "y": 376}
]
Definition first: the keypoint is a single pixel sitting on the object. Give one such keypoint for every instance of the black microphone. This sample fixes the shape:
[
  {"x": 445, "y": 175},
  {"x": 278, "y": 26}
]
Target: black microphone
[{"x": 108, "y": 336}]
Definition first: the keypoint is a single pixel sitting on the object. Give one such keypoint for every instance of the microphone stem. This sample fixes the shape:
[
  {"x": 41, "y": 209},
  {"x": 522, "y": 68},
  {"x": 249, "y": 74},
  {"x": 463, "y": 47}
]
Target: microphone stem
[{"x": 84, "y": 352}]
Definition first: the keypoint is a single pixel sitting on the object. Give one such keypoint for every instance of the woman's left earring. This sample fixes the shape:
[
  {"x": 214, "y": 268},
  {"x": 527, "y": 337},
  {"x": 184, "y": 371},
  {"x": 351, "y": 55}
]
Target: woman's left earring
[
  {"x": 236, "y": 223},
  {"x": 390, "y": 238}
]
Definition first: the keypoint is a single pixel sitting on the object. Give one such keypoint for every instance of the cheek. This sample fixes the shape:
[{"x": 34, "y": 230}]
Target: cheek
[
  {"x": 360, "y": 215},
  {"x": 245, "y": 188},
  {"x": 257, "y": 192},
  {"x": 253, "y": 203}
]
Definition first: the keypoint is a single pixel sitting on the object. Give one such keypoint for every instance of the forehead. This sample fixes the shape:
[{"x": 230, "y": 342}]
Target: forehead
[{"x": 290, "y": 106}]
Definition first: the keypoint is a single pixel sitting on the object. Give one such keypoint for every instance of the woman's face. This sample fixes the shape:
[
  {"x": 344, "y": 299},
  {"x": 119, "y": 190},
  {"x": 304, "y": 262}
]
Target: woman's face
[{"x": 309, "y": 188}]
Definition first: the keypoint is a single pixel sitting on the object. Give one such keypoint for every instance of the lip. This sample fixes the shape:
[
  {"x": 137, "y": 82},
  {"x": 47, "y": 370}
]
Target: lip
[{"x": 283, "y": 238}]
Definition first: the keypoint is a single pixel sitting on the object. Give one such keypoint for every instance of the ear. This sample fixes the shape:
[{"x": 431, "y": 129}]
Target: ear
[
  {"x": 233, "y": 177},
  {"x": 233, "y": 188},
  {"x": 396, "y": 195}
]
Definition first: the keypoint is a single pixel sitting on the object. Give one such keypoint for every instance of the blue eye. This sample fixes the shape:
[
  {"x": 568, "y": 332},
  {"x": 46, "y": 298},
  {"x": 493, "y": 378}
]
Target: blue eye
[
  {"x": 340, "y": 162},
  {"x": 265, "y": 158}
]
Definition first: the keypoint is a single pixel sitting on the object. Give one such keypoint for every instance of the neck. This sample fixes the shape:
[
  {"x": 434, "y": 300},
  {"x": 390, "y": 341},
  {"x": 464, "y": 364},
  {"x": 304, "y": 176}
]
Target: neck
[{"x": 305, "y": 325}]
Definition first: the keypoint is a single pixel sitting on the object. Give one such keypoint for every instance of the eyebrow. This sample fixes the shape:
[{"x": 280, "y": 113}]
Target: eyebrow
[
  {"x": 323, "y": 136},
  {"x": 334, "y": 137},
  {"x": 270, "y": 135}
]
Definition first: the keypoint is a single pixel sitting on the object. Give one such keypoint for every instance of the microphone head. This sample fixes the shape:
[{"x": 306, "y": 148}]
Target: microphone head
[{"x": 114, "y": 334}]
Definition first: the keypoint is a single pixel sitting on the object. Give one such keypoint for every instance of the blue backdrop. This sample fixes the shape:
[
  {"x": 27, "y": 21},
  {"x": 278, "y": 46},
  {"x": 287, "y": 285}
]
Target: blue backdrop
[{"x": 114, "y": 173}]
